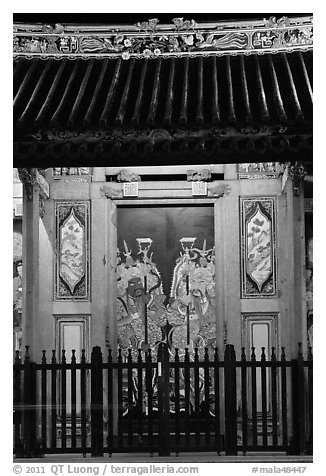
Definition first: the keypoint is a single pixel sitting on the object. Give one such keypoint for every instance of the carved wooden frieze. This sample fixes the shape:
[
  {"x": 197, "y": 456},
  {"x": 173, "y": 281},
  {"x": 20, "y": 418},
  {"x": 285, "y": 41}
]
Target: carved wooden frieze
[
  {"x": 151, "y": 40},
  {"x": 72, "y": 251},
  {"x": 258, "y": 170},
  {"x": 258, "y": 243}
]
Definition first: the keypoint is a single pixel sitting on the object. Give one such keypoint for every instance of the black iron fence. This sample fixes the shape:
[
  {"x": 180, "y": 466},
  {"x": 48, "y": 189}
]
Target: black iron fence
[{"x": 163, "y": 404}]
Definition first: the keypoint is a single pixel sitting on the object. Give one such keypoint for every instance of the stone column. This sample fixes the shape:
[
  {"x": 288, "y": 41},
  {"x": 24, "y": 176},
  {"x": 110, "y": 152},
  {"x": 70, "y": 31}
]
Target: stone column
[{"x": 30, "y": 262}]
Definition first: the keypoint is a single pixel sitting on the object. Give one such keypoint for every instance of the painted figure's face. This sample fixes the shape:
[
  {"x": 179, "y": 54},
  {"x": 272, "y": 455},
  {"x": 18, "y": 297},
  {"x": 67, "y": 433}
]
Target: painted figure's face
[{"x": 135, "y": 287}]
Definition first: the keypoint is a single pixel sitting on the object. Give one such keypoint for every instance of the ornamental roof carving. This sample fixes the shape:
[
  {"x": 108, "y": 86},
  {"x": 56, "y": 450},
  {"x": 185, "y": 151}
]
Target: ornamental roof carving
[{"x": 149, "y": 39}]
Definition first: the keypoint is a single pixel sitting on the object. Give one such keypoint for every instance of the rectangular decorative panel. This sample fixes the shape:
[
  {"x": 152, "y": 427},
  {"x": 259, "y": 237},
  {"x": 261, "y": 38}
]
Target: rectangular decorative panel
[
  {"x": 258, "y": 170},
  {"x": 260, "y": 330},
  {"x": 72, "y": 251},
  {"x": 258, "y": 243}
]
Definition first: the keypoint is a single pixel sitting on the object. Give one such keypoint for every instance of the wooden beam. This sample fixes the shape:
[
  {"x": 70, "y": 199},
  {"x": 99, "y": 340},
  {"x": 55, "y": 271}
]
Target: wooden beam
[
  {"x": 155, "y": 93},
  {"x": 185, "y": 93},
  {"x": 109, "y": 99},
  {"x": 47, "y": 103},
  {"x": 80, "y": 94},
  {"x": 55, "y": 116},
  {"x": 215, "y": 105},
  {"x": 276, "y": 91},
  {"x": 200, "y": 112},
  {"x": 261, "y": 93},
  {"x": 34, "y": 97},
  {"x": 170, "y": 94},
  {"x": 138, "y": 105},
  {"x": 123, "y": 104}
]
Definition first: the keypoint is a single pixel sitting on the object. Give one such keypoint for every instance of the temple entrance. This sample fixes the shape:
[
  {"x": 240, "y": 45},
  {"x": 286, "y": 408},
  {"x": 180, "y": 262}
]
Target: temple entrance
[
  {"x": 166, "y": 278},
  {"x": 166, "y": 296}
]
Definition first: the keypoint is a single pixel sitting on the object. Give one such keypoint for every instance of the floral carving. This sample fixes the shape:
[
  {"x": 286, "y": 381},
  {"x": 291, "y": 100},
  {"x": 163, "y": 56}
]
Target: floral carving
[
  {"x": 219, "y": 190},
  {"x": 111, "y": 191},
  {"x": 204, "y": 175},
  {"x": 258, "y": 243},
  {"x": 126, "y": 176},
  {"x": 72, "y": 251},
  {"x": 149, "y": 40}
]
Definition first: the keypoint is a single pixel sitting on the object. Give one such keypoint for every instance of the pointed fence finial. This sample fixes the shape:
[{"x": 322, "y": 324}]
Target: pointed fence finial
[
  {"x": 216, "y": 357},
  {"x": 129, "y": 355},
  {"x": 309, "y": 353},
  {"x": 186, "y": 354},
  {"x": 253, "y": 355},
  {"x": 63, "y": 357},
  {"x": 109, "y": 355},
  {"x": 263, "y": 355},
  {"x": 83, "y": 356},
  {"x": 243, "y": 354},
  {"x": 206, "y": 356},
  {"x": 73, "y": 356},
  {"x": 119, "y": 355},
  {"x": 176, "y": 354},
  {"x": 273, "y": 355},
  {"x": 43, "y": 357},
  {"x": 300, "y": 353},
  {"x": 139, "y": 357},
  {"x": 283, "y": 357},
  {"x": 196, "y": 354},
  {"x": 27, "y": 356},
  {"x": 53, "y": 360},
  {"x": 17, "y": 357}
]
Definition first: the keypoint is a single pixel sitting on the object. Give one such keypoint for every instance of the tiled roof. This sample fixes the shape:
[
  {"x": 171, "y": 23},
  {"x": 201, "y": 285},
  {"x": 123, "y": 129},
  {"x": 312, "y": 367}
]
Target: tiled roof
[{"x": 240, "y": 91}]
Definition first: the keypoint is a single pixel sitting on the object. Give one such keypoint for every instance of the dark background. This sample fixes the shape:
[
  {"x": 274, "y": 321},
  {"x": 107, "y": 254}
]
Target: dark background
[
  {"x": 165, "y": 226},
  {"x": 131, "y": 18}
]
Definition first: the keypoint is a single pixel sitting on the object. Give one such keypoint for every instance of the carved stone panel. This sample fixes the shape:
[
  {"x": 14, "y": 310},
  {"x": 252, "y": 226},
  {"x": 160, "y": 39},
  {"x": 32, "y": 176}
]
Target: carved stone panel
[
  {"x": 72, "y": 251},
  {"x": 258, "y": 256}
]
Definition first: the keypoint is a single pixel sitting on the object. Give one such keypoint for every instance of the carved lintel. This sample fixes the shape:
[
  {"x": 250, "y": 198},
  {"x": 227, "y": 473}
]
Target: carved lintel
[
  {"x": 149, "y": 39},
  {"x": 203, "y": 175},
  {"x": 111, "y": 191},
  {"x": 127, "y": 176},
  {"x": 219, "y": 190}
]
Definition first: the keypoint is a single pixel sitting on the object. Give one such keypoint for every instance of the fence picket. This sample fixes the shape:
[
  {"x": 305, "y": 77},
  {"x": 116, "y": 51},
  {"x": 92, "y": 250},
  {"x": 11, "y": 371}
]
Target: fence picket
[
  {"x": 63, "y": 401},
  {"x": 284, "y": 399},
  {"x": 177, "y": 399},
  {"x": 274, "y": 397},
  {"x": 83, "y": 402},
  {"x": 198, "y": 427},
  {"x": 53, "y": 400},
  {"x": 140, "y": 396},
  {"x": 17, "y": 404},
  {"x": 207, "y": 419},
  {"x": 254, "y": 396},
  {"x": 217, "y": 400},
  {"x": 97, "y": 402},
  {"x": 73, "y": 399},
  {"x": 264, "y": 395},
  {"x": 187, "y": 395},
  {"x": 244, "y": 400},
  {"x": 43, "y": 400},
  {"x": 110, "y": 403}
]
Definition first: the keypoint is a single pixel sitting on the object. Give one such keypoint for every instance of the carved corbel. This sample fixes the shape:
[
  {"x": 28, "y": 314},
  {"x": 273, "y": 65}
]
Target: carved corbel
[
  {"x": 219, "y": 190},
  {"x": 35, "y": 178},
  {"x": 110, "y": 191},
  {"x": 200, "y": 176},
  {"x": 28, "y": 178},
  {"x": 126, "y": 176},
  {"x": 296, "y": 172}
]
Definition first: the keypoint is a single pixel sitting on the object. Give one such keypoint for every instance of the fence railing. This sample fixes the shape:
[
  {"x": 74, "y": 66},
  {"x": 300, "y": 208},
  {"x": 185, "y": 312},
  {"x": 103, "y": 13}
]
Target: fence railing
[{"x": 163, "y": 404}]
